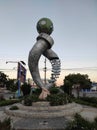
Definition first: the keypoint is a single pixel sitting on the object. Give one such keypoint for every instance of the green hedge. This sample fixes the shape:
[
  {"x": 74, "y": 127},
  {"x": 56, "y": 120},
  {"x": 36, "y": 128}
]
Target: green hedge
[
  {"x": 90, "y": 101},
  {"x": 58, "y": 99},
  {"x": 8, "y": 102}
]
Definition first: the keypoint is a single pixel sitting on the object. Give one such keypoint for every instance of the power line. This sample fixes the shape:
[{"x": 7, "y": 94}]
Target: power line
[
  {"x": 81, "y": 68},
  {"x": 48, "y": 69}
]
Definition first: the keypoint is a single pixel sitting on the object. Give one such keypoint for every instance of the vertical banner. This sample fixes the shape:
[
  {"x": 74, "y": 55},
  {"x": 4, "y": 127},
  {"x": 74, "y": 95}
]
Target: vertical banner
[{"x": 21, "y": 76}]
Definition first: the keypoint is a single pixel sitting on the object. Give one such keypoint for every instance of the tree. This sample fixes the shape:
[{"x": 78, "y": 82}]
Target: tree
[
  {"x": 3, "y": 79},
  {"x": 82, "y": 81},
  {"x": 26, "y": 88},
  {"x": 11, "y": 85}
]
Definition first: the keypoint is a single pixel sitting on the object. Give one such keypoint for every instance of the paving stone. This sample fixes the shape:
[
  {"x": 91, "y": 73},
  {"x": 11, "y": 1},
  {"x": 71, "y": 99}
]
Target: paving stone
[{"x": 41, "y": 124}]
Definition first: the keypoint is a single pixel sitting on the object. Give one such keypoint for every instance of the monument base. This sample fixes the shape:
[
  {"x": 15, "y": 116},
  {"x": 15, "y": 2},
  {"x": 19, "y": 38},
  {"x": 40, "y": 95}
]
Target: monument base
[
  {"x": 42, "y": 117},
  {"x": 44, "y": 111},
  {"x": 45, "y": 92}
]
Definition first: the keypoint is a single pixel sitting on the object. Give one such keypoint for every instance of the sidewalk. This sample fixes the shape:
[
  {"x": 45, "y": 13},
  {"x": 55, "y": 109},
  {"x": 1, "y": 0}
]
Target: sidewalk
[{"x": 89, "y": 113}]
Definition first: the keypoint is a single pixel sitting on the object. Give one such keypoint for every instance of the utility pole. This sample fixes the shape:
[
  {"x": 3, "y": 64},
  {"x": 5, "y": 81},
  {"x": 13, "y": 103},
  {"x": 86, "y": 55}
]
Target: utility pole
[{"x": 45, "y": 69}]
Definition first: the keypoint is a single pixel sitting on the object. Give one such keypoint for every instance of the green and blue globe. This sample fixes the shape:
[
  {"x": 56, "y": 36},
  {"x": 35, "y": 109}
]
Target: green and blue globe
[{"x": 45, "y": 25}]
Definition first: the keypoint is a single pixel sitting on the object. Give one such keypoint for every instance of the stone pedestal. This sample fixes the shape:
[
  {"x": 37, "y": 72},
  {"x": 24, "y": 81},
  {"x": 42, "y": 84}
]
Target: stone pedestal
[
  {"x": 41, "y": 104},
  {"x": 42, "y": 116}
]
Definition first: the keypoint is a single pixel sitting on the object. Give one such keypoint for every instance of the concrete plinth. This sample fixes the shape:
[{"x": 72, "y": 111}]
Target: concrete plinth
[
  {"x": 43, "y": 117},
  {"x": 44, "y": 112}
]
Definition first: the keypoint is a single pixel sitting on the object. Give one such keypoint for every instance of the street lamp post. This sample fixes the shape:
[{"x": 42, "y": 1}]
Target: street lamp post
[{"x": 21, "y": 73}]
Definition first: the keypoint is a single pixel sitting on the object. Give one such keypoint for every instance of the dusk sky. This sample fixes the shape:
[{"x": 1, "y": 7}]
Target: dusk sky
[{"x": 75, "y": 33}]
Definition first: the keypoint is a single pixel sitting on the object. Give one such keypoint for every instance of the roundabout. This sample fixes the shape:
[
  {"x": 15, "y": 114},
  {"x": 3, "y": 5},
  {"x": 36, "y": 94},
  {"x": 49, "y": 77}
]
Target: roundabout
[
  {"x": 42, "y": 116},
  {"x": 42, "y": 110}
]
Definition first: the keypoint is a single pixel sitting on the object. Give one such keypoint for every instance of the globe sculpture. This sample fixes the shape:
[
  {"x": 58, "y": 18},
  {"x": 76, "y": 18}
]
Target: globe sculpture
[
  {"x": 45, "y": 25},
  {"x": 43, "y": 47}
]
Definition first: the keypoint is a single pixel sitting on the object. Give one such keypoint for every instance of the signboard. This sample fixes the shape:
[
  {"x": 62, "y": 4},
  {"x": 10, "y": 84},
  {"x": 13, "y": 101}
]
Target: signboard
[
  {"x": 21, "y": 73},
  {"x": 21, "y": 76}
]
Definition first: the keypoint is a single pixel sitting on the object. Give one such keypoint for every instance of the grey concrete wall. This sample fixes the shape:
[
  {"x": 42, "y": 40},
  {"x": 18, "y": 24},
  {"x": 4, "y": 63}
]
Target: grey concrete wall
[{"x": 88, "y": 94}]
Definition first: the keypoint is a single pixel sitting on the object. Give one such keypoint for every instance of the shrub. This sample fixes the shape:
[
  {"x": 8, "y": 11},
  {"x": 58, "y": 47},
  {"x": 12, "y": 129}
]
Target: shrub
[
  {"x": 2, "y": 97},
  {"x": 58, "y": 99},
  {"x": 6, "y": 124},
  {"x": 14, "y": 108},
  {"x": 37, "y": 91},
  {"x": 80, "y": 123},
  {"x": 26, "y": 88},
  {"x": 95, "y": 123},
  {"x": 28, "y": 101},
  {"x": 54, "y": 90},
  {"x": 34, "y": 98}
]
